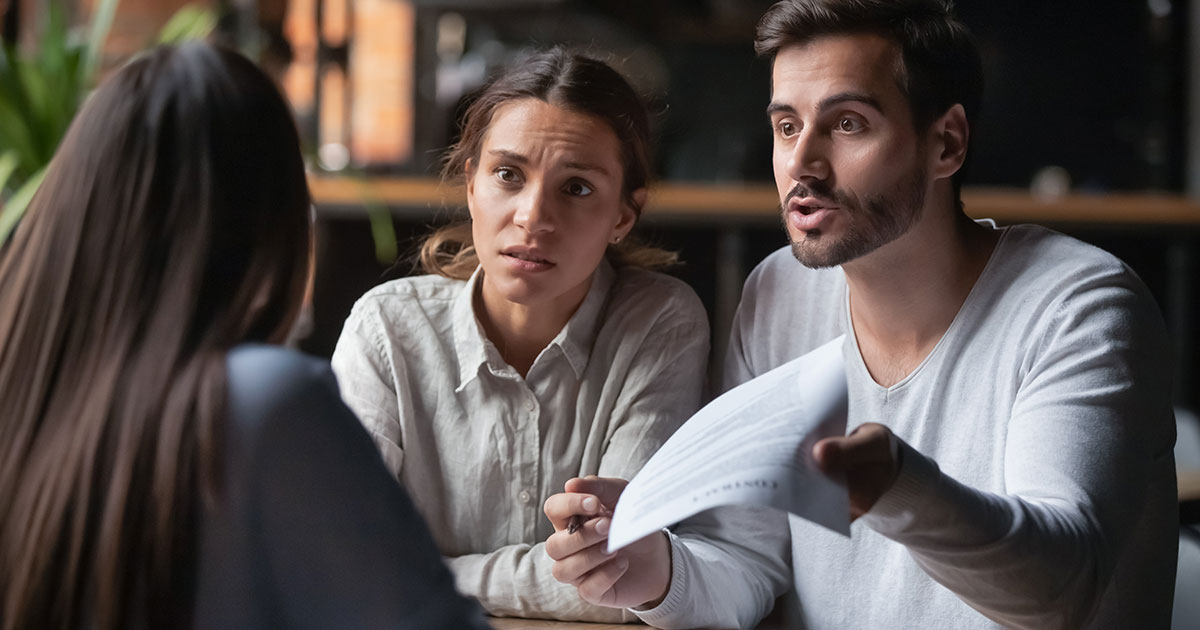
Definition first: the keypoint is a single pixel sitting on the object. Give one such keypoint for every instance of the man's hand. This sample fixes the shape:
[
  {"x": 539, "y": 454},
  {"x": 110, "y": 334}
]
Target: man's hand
[
  {"x": 637, "y": 576},
  {"x": 865, "y": 458}
]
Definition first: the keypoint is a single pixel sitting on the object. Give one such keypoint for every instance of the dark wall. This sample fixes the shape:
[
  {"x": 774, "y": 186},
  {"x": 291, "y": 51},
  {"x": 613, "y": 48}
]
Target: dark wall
[{"x": 1095, "y": 87}]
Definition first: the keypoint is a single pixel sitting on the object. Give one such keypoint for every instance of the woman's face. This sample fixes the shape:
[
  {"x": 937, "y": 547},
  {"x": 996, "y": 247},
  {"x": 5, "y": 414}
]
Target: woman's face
[{"x": 545, "y": 201}]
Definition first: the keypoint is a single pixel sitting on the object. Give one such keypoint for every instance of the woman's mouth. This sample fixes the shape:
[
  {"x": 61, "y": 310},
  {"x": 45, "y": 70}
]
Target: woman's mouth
[{"x": 526, "y": 259}]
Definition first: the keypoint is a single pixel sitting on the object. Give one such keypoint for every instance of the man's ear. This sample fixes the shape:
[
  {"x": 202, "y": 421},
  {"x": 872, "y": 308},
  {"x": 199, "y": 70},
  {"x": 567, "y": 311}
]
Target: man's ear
[{"x": 950, "y": 135}]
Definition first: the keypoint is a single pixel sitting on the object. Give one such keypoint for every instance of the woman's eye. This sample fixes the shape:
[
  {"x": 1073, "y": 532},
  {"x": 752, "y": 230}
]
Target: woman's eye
[
  {"x": 578, "y": 189},
  {"x": 506, "y": 174}
]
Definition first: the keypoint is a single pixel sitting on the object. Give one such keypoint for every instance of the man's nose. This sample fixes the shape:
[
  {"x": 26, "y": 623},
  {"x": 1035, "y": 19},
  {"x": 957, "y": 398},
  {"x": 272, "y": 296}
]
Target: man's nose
[{"x": 809, "y": 158}]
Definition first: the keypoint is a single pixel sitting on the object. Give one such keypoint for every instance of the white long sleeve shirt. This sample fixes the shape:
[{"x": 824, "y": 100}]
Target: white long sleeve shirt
[
  {"x": 480, "y": 449},
  {"x": 1037, "y": 486}
]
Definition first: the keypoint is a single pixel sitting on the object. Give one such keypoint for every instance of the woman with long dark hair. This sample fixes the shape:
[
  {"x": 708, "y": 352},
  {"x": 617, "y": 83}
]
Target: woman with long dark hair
[
  {"x": 159, "y": 465},
  {"x": 541, "y": 345}
]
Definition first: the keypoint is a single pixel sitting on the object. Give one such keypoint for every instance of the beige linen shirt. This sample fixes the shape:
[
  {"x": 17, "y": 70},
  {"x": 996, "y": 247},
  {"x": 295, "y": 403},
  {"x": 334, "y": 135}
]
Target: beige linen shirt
[{"x": 480, "y": 448}]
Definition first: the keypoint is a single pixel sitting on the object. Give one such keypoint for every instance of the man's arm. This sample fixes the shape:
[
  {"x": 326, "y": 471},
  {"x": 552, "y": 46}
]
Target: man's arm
[{"x": 1088, "y": 454}]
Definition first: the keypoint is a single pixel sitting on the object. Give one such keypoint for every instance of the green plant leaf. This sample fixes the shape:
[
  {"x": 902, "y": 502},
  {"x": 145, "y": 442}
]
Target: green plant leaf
[
  {"x": 382, "y": 231},
  {"x": 39, "y": 95},
  {"x": 97, "y": 33},
  {"x": 189, "y": 22},
  {"x": 15, "y": 207},
  {"x": 8, "y": 163}
]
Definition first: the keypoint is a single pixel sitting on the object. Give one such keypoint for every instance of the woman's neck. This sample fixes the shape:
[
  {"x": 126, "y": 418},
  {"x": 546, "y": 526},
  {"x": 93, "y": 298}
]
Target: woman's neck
[{"x": 521, "y": 331}]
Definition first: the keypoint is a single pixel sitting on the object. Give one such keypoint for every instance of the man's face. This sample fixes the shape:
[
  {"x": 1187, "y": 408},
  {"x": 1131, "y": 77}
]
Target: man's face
[{"x": 848, "y": 162}]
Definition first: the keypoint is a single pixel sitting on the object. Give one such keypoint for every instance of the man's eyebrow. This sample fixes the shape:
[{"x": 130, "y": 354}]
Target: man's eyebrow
[
  {"x": 779, "y": 108},
  {"x": 850, "y": 97},
  {"x": 828, "y": 102}
]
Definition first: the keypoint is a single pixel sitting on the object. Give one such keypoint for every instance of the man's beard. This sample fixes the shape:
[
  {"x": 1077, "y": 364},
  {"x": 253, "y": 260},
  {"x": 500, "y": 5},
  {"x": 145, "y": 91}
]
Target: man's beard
[{"x": 877, "y": 221}]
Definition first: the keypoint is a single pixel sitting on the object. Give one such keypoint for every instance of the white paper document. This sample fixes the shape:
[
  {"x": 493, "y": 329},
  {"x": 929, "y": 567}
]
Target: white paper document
[{"x": 751, "y": 445}]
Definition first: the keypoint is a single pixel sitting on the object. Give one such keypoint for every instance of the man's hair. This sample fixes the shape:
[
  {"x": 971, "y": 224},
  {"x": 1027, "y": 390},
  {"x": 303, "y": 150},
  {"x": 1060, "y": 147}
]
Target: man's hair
[{"x": 940, "y": 64}]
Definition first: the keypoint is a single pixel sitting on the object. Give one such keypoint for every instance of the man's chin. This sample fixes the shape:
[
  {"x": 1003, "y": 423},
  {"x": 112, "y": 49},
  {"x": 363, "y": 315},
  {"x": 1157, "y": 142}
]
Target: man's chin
[
  {"x": 816, "y": 251},
  {"x": 813, "y": 257}
]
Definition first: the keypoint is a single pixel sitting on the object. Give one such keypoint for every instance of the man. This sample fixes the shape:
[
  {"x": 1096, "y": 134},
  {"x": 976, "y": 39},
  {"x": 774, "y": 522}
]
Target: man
[{"x": 1011, "y": 454}]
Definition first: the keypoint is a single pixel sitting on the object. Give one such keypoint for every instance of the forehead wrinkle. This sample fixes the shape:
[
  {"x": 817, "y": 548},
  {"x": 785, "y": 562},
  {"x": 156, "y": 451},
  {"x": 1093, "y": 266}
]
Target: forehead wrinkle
[
  {"x": 514, "y": 156},
  {"x": 586, "y": 166},
  {"x": 506, "y": 154}
]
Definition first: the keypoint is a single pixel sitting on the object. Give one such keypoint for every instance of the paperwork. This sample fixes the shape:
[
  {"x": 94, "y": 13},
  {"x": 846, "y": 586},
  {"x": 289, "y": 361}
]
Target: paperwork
[{"x": 751, "y": 445}]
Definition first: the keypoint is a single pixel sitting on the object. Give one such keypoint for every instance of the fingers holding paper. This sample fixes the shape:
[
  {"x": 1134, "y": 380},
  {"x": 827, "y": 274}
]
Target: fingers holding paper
[
  {"x": 868, "y": 460},
  {"x": 637, "y": 575}
]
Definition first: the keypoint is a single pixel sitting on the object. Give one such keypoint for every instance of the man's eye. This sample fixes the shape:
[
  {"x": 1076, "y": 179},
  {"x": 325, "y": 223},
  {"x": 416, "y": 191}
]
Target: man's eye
[
  {"x": 849, "y": 125},
  {"x": 578, "y": 189},
  {"x": 506, "y": 174},
  {"x": 787, "y": 129}
]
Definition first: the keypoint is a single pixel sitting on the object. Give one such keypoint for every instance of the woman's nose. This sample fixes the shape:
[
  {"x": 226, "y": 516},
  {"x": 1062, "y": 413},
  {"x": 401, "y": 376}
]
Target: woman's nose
[{"x": 534, "y": 211}]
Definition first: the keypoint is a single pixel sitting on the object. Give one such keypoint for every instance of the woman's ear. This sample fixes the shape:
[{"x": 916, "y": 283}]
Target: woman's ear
[
  {"x": 629, "y": 214},
  {"x": 949, "y": 147}
]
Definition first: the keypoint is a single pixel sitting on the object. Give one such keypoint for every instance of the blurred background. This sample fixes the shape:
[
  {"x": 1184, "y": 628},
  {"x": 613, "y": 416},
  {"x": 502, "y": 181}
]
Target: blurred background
[
  {"x": 1090, "y": 125},
  {"x": 1085, "y": 126}
]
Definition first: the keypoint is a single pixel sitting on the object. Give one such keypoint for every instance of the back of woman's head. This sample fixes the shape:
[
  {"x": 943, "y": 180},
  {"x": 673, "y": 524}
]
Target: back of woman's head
[{"x": 172, "y": 224}]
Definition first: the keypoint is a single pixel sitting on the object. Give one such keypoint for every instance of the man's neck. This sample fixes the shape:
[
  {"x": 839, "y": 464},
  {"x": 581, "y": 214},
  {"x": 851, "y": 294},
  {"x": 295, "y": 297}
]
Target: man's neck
[{"x": 904, "y": 296}]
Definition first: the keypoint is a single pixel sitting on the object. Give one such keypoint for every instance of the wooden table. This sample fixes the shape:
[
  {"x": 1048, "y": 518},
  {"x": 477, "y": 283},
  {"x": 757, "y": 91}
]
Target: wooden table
[
  {"x": 1189, "y": 484},
  {"x": 506, "y": 623},
  {"x": 1189, "y": 495}
]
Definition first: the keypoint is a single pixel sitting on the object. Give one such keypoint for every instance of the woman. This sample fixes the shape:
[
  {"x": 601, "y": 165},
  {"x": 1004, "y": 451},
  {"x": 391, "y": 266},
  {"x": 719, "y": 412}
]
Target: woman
[
  {"x": 158, "y": 467},
  {"x": 538, "y": 348}
]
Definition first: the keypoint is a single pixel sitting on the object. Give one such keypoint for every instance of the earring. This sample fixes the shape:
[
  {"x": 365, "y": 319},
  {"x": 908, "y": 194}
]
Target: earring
[{"x": 616, "y": 239}]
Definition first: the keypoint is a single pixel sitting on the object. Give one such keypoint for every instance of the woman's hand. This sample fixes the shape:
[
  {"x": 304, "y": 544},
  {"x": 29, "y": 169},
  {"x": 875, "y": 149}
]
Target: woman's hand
[{"x": 637, "y": 576}]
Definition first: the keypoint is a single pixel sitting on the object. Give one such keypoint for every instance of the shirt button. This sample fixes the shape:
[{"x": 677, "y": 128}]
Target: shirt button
[
  {"x": 529, "y": 405},
  {"x": 524, "y": 496}
]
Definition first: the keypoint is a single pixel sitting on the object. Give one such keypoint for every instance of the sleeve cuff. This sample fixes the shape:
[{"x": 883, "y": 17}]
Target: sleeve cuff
[
  {"x": 673, "y": 603},
  {"x": 897, "y": 510}
]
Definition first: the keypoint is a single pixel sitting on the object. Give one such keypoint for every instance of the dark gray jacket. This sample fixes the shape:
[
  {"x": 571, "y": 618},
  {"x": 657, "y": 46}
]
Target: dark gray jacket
[{"x": 311, "y": 531}]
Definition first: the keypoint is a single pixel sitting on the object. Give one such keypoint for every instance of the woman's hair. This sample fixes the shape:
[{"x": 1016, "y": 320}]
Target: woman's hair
[
  {"x": 574, "y": 83},
  {"x": 173, "y": 224}
]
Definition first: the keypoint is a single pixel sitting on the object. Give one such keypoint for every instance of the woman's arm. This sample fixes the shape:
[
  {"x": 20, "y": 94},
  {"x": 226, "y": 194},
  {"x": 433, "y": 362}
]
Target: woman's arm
[
  {"x": 367, "y": 380},
  {"x": 662, "y": 389}
]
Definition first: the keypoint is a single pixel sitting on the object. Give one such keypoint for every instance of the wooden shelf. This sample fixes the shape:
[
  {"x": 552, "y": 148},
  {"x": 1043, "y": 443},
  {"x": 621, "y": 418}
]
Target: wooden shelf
[{"x": 740, "y": 202}]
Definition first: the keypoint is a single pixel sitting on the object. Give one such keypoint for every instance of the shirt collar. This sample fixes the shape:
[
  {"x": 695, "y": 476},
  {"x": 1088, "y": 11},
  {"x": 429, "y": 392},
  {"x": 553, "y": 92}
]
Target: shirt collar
[
  {"x": 470, "y": 344},
  {"x": 579, "y": 335},
  {"x": 575, "y": 340}
]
